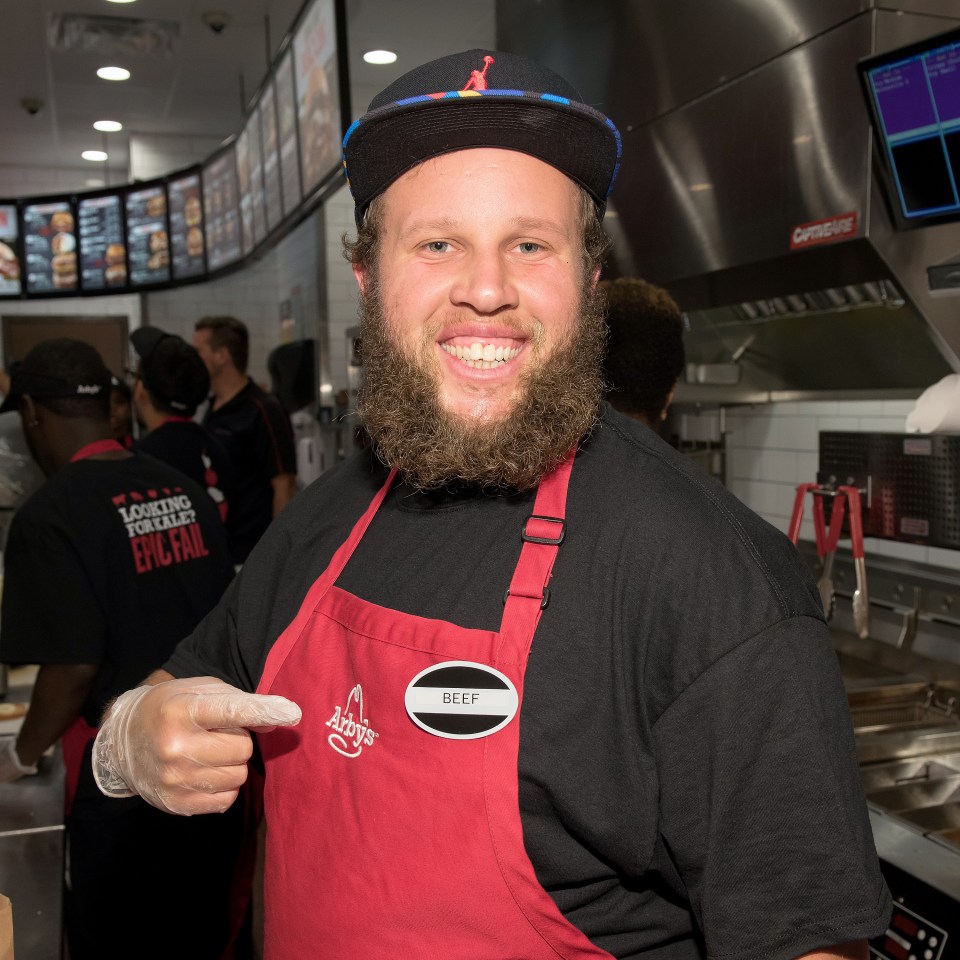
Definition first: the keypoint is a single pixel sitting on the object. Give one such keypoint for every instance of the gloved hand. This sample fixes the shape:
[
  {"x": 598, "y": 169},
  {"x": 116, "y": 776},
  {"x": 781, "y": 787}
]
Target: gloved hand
[
  {"x": 183, "y": 745},
  {"x": 10, "y": 766}
]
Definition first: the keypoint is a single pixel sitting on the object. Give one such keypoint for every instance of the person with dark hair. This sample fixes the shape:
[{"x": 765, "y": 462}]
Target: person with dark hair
[
  {"x": 645, "y": 355},
  {"x": 525, "y": 682},
  {"x": 107, "y": 566},
  {"x": 253, "y": 427},
  {"x": 171, "y": 382},
  {"x": 121, "y": 412}
]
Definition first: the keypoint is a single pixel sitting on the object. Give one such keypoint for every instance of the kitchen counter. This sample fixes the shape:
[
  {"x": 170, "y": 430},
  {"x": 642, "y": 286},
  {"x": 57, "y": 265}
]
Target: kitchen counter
[{"x": 32, "y": 845}]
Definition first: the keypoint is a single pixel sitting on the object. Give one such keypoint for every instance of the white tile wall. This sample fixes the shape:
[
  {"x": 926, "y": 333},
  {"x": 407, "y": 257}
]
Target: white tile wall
[{"x": 773, "y": 447}]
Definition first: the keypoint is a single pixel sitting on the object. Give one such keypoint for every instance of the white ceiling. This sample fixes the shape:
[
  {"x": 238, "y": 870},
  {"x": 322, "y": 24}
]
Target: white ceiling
[{"x": 198, "y": 90}]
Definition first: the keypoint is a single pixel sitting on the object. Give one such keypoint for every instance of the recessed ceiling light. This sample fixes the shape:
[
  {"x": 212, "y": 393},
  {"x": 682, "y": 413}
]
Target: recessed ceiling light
[
  {"x": 113, "y": 73},
  {"x": 97, "y": 156},
  {"x": 121, "y": 1},
  {"x": 380, "y": 56},
  {"x": 109, "y": 126}
]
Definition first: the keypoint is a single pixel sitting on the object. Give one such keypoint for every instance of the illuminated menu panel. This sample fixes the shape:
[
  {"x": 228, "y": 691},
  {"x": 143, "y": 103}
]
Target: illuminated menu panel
[
  {"x": 10, "y": 282},
  {"x": 103, "y": 254},
  {"x": 221, "y": 210},
  {"x": 50, "y": 247},
  {"x": 186, "y": 226},
  {"x": 257, "y": 201},
  {"x": 318, "y": 93},
  {"x": 267, "y": 113},
  {"x": 243, "y": 186},
  {"x": 148, "y": 244},
  {"x": 287, "y": 133}
]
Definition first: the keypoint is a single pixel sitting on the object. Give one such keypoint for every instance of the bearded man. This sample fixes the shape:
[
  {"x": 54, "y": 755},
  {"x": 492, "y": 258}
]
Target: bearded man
[{"x": 541, "y": 688}]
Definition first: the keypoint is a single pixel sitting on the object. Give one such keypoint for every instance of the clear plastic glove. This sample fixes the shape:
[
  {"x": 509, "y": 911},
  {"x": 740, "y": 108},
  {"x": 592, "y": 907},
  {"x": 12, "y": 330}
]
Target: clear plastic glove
[
  {"x": 10, "y": 766},
  {"x": 183, "y": 745}
]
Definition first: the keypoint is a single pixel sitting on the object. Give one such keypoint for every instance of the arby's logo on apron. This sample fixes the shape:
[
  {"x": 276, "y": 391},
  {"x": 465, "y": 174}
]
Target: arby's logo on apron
[{"x": 461, "y": 700}]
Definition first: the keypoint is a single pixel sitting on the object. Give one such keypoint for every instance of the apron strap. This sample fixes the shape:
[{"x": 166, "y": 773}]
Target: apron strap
[{"x": 528, "y": 593}]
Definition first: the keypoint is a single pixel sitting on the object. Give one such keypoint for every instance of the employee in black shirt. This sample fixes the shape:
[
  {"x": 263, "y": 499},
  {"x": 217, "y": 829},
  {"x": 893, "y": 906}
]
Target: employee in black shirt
[
  {"x": 171, "y": 383},
  {"x": 253, "y": 427}
]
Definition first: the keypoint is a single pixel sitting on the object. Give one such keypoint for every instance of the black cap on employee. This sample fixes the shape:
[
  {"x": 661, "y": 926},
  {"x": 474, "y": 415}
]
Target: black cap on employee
[
  {"x": 58, "y": 369},
  {"x": 480, "y": 98},
  {"x": 171, "y": 369}
]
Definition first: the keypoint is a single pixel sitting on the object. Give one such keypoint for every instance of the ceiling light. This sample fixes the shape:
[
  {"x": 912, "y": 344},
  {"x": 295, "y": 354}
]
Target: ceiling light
[
  {"x": 120, "y": 1},
  {"x": 380, "y": 56},
  {"x": 113, "y": 73},
  {"x": 700, "y": 187},
  {"x": 109, "y": 126},
  {"x": 97, "y": 156}
]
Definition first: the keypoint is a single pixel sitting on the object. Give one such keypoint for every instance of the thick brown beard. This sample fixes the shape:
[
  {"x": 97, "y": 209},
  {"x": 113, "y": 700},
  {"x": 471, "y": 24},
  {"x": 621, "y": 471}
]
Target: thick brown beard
[{"x": 399, "y": 406}]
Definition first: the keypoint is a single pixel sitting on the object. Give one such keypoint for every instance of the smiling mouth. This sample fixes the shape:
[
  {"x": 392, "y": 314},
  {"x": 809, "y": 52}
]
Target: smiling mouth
[{"x": 481, "y": 356}]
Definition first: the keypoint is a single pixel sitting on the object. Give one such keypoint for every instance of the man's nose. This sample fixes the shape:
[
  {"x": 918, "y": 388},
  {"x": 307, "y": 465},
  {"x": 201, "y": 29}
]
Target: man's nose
[{"x": 485, "y": 283}]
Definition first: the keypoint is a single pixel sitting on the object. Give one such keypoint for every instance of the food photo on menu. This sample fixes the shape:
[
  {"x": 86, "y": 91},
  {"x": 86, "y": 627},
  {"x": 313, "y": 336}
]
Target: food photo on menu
[
  {"x": 50, "y": 247},
  {"x": 10, "y": 284},
  {"x": 148, "y": 246},
  {"x": 103, "y": 254},
  {"x": 186, "y": 230}
]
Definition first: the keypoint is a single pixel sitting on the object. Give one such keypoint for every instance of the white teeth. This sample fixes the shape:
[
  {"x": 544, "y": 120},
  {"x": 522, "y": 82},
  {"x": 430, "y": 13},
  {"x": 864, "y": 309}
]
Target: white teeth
[{"x": 482, "y": 356}]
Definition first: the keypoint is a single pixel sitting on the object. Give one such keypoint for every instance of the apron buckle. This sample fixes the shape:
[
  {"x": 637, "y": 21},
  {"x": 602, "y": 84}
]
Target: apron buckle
[
  {"x": 543, "y": 537},
  {"x": 544, "y": 600}
]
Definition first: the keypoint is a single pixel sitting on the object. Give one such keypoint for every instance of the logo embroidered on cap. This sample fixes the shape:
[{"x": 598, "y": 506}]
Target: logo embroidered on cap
[
  {"x": 93, "y": 389},
  {"x": 478, "y": 78},
  {"x": 350, "y": 734}
]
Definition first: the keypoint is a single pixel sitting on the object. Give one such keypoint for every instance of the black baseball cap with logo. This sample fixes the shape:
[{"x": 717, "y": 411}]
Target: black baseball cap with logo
[
  {"x": 58, "y": 369},
  {"x": 171, "y": 370},
  {"x": 480, "y": 98}
]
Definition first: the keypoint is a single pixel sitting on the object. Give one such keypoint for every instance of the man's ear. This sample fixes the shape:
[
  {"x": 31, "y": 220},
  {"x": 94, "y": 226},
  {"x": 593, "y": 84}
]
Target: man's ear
[
  {"x": 360, "y": 274},
  {"x": 595, "y": 277}
]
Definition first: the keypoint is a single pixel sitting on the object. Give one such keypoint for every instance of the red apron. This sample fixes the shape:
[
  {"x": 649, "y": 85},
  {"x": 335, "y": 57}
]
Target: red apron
[{"x": 384, "y": 840}]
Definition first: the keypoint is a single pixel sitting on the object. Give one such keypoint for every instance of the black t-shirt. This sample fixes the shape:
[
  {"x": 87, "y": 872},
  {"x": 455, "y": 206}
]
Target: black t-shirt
[
  {"x": 688, "y": 778},
  {"x": 110, "y": 562},
  {"x": 192, "y": 450},
  {"x": 255, "y": 431}
]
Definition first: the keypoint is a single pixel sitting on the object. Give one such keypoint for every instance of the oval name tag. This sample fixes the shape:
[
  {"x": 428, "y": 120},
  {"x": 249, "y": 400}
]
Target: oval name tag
[{"x": 461, "y": 700}]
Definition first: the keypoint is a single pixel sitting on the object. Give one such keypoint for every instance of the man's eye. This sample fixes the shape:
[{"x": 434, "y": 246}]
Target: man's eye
[
  {"x": 528, "y": 246},
  {"x": 438, "y": 246}
]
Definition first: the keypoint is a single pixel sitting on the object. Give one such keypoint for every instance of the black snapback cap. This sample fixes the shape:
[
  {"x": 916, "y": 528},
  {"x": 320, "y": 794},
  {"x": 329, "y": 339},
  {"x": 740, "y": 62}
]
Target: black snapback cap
[
  {"x": 43, "y": 386},
  {"x": 480, "y": 98}
]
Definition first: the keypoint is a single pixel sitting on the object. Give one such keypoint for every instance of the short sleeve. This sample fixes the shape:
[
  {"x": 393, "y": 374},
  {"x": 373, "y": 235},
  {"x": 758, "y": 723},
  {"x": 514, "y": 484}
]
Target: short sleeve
[
  {"x": 761, "y": 803},
  {"x": 277, "y": 450}
]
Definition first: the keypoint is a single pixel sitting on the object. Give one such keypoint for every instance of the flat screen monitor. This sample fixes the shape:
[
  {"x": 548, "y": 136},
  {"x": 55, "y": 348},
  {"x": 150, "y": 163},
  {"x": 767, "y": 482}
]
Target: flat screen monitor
[
  {"x": 318, "y": 93},
  {"x": 186, "y": 226},
  {"x": 913, "y": 95},
  {"x": 267, "y": 113},
  {"x": 221, "y": 210},
  {"x": 11, "y": 284},
  {"x": 287, "y": 135},
  {"x": 102, "y": 242},
  {"x": 148, "y": 236},
  {"x": 50, "y": 246}
]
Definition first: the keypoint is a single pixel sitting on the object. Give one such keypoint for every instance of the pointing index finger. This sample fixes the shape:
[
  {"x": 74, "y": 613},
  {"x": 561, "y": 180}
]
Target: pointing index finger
[{"x": 236, "y": 708}]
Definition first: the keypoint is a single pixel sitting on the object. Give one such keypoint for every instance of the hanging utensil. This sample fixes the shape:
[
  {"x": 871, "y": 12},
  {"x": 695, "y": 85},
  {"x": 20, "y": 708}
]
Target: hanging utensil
[
  {"x": 827, "y": 541},
  {"x": 793, "y": 531},
  {"x": 861, "y": 601}
]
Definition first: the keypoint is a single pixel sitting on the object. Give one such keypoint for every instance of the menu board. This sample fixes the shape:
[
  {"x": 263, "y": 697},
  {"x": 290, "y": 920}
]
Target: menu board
[
  {"x": 186, "y": 226},
  {"x": 318, "y": 93},
  {"x": 50, "y": 247},
  {"x": 10, "y": 283},
  {"x": 244, "y": 187},
  {"x": 267, "y": 116},
  {"x": 257, "y": 201},
  {"x": 287, "y": 133},
  {"x": 148, "y": 246},
  {"x": 103, "y": 255},
  {"x": 221, "y": 210}
]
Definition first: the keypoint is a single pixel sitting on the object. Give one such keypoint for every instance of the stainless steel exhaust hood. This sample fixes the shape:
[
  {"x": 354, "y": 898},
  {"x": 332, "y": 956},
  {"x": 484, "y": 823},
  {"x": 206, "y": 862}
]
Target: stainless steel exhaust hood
[{"x": 746, "y": 142}]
